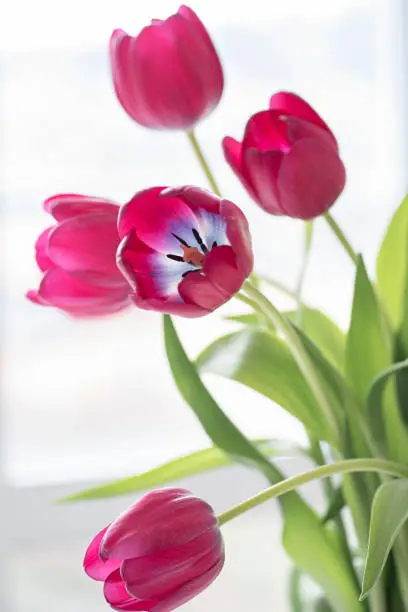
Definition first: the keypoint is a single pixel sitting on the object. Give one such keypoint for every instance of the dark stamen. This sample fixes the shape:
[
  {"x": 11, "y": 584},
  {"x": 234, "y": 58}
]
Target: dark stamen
[
  {"x": 188, "y": 272},
  {"x": 180, "y": 239},
  {"x": 214, "y": 244},
  {"x": 200, "y": 241},
  {"x": 175, "y": 257}
]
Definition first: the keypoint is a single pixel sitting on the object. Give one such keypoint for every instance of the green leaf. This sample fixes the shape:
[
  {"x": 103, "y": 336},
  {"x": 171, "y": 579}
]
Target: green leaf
[
  {"x": 368, "y": 346},
  {"x": 336, "y": 505},
  {"x": 392, "y": 260},
  {"x": 387, "y": 425},
  {"x": 325, "y": 334},
  {"x": 324, "y": 560},
  {"x": 251, "y": 319},
  {"x": 264, "y": 363},
  {"x": 388, "y": 515},
  {"x": 189, "y": 465},
  {"x": 305, "y": 596}
]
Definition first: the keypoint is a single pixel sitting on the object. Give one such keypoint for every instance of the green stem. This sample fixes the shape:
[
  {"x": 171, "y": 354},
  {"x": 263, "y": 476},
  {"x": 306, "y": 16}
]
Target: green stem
[
  {"x": 203, "y": 162},
  {"x": 317, "y": 454},
  {"x": 298, "y": 350},
  {"x": 285, "y": 486},
  {"x": 301, "y": 279},
  {"x": 341, "y": 237}
]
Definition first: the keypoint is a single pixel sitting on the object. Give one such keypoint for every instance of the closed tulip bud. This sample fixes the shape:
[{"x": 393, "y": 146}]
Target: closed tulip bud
[
  {"x": 169, "y": 76},
  {"x": 77, "y": 256},
  {"x": 160, "y": 553},
  {"x": 288, "y": 160}
]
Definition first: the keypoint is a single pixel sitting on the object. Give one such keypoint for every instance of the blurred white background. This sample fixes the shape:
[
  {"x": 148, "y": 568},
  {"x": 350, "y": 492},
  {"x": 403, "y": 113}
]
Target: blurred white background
[{"x": 90, "y": 401}]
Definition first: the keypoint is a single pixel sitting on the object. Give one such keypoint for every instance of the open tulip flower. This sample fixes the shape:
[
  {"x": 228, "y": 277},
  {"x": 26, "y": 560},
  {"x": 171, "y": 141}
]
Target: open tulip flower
[
  {"x": 184, "y": 250},
  {"x": 288, "y": 160},
  {"x": 169, "y": 76},
  {"x": 159, "y": 554},
  {"x": 78, "y": 258}
]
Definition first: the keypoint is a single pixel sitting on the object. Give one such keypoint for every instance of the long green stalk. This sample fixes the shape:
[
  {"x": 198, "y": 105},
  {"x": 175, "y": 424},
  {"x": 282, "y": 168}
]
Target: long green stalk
[{"x": 323, "y": 471}]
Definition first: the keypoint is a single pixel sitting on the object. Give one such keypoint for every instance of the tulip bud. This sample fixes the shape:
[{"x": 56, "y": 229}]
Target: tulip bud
[
  {"x": 78, "y": 258},
  {"x": 159, "y": 554},
  {"x": 169, "y": 76},
  {"x": 288, "y": 160}
]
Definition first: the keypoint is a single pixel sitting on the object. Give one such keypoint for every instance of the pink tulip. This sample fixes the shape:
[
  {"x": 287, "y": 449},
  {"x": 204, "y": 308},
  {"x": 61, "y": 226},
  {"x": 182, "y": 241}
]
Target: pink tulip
[
  {"x": 288, "y": 160},
  {"x": 160, "y": 553},
  {"x": 78, "y": 258},
  {"x": 169, "y": 76},
  {"x": 184, "y": 250}
]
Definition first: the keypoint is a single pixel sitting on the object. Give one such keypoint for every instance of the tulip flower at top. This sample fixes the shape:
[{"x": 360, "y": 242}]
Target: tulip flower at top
[
  {"x": 184, "y": 250},
  {"x": 169, "y": 76},
  {"x": 78, "y": 258},
  {"x": 288, "y": 160},
  {"x": 160, "y": 553}
]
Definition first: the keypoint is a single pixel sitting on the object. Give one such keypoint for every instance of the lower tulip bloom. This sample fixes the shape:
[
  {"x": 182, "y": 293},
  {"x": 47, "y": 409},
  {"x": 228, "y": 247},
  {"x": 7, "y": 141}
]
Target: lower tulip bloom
[
  {"x": 184, "y": 250},
  {"x": 78, "y": 258},
  {"x": 288, "y": 160},
  {"x": 160, "y": 553}
]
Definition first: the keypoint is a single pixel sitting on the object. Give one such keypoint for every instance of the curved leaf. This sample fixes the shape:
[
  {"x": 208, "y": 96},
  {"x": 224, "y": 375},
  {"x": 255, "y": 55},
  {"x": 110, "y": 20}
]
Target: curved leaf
[
  {"x": 368, "y": 346},
  {"x": 324, "y": 561},
  {"x": 305, "y": 596},
  {"x": 189, "y": 465},
  {"x": 264, "y": 363},
  {"x": 376, "y": 410},
  {"x": 392, "y": 269},
  {"x": 388, "y": 515},
  {"x": 327, "y": 336}
]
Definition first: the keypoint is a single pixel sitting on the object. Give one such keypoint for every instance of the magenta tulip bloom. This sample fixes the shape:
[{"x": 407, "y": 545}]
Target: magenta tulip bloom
[
  {"x": 184, "y": 250},
  {"x": 288, "y": 160},
  {"x": 160, "y": 553},
  {"x": 169, "y": 76},
  {"x": 78, "y": 258}
]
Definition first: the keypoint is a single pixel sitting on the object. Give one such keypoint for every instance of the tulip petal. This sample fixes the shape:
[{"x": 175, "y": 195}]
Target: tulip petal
[
  {"x": 169, "y": 306},
  {"x": 86, "y": 246},
  {"x": 68, "y": 205},
  {"x": 41, "y": 251},
  {"x": 266, "y": 131},
  {"x": 197, "y": 289},
  {"x": 310, "y": 179},
  {"x": 158, "y": 221},
  {"x": 233, "y": 154},
  {"x": 154, "y": 576},
  {"x": 162, "y": 519},
  {"x": 300, "y": 128},
  {"x": 238, "y": 235},
  {"x": 152, "y": 274},
  {"x": 189, "y": 590},
  {"x": 220, "y": 267},
  {"x": 263, "y": 168},
  {"x": 117, "y": 596},
  {"x": 33, "y": 296},
  {"x": 292, "y": 104},
  {"x": 196, "y": 198},
  {"x": 60, "y": 289},
  {"x": 93, "y": 565}
]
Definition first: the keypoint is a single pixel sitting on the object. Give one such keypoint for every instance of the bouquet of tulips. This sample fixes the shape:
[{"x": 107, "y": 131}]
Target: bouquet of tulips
[{"x": 184, "y": 251}]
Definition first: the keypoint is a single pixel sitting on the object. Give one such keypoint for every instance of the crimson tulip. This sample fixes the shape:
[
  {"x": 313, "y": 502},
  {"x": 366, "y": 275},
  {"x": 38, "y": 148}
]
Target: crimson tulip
[
  {"x": 159, "y": 554},
  {"x": 288, "y": 160},
  {"x": 169, "y": 76},
  {"x": 78, "y": 258},
  {"x": 184, "y": 250}
]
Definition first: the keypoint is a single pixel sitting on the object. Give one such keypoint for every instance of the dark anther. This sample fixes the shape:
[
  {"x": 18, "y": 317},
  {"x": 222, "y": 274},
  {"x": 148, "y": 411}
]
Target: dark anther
[
  {"x": 200, "y": 241},
  {"x": 188, "y": 272},
  {"x": 214, "y": 244},
  {"x": 175, "y": 257},
  {"x": 180, "y": 239}
]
